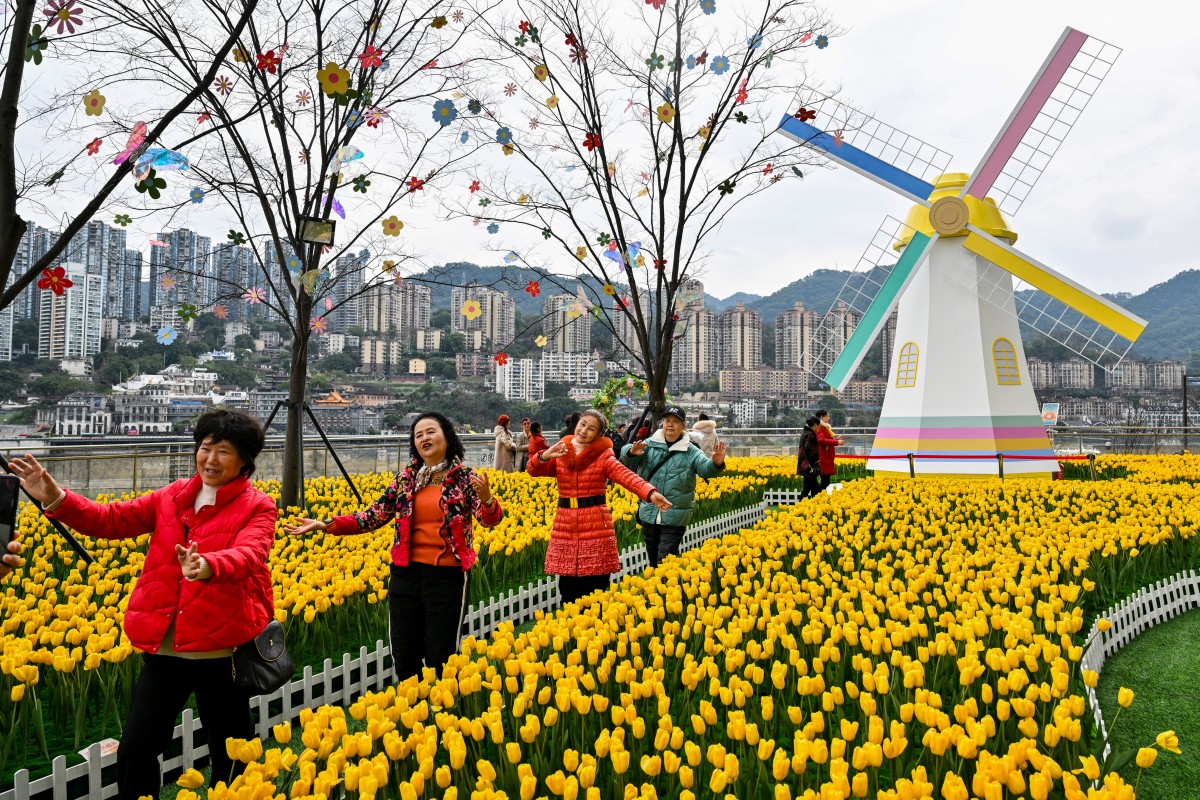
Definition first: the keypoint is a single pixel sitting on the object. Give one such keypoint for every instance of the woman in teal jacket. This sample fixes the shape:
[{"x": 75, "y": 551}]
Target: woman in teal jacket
[{"x": 670, "y": 462}]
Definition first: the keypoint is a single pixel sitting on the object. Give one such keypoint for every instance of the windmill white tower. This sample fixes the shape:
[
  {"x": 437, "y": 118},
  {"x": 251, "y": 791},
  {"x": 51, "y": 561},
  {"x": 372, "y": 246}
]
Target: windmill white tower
[{"x": 959, "y": 391}]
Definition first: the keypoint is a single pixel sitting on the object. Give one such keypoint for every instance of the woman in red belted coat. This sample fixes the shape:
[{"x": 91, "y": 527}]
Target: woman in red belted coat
[
  {"x": 583, "y": 543},
  {"x": 827, "y": 443}
]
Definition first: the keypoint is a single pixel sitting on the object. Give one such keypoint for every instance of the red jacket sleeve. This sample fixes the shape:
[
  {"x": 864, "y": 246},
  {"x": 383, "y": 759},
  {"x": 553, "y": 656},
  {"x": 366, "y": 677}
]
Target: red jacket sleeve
[
  {"x": 250, "y": 549},
  {"x": 122, "y": 520},
  {"x": 542, "y": 469},
  {"x": 824, "y": 440},
  {"x": 488, "y": 517},
  {"x": 620, "y": 474}
]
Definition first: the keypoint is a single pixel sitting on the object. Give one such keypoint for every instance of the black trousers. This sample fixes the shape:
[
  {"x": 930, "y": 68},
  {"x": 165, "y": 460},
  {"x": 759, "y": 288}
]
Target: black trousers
[
  {"x": 426, "y": 606},
  {"x": 811, "y": 486},
  {"x": 824, "y": 484},
  {"x": 161, "y": 693},
  {"x": 661, "y": 541},
  {"x": 573, "y": 587}
]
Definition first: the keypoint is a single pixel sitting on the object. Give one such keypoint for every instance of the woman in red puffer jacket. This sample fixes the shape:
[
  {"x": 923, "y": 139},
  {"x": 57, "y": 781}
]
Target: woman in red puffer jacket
[
  {"x": 583, "y": 543},
  {"x": 205, "y": 588}
]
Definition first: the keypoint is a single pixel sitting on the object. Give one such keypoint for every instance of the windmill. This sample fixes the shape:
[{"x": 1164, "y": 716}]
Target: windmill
[{"x": 958, "y": 386}]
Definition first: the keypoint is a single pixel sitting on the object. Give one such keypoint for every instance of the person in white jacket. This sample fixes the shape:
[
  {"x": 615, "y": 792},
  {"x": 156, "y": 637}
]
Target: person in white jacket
[
  {"x": 704, "y": 434},
  {"x": 506, "y": 453}
]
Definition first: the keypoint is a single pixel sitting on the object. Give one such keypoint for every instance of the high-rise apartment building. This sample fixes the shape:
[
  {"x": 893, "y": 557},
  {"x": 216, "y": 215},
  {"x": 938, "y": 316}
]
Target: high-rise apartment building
[
  {"x": 496, "y": 320},
  {"x": 179, "y": 268},
  {"x": 697, "y": 351},
  {"x": 625, "y": 341},
  {"x": 521, "y": 379},
  {"x": 794, "y": 331},
  {"x": 741, "y": 337},
  {"x": 233, "y": 270},
  {"x": 69, "y": 324},
  {"x": 566, "y": 324},
  {"x": 396, "y": 310}
]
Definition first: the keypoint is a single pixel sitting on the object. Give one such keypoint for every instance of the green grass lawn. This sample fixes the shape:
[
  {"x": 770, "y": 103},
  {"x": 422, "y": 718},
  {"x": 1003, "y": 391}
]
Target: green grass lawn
[{"x": 1160, "y": 666}]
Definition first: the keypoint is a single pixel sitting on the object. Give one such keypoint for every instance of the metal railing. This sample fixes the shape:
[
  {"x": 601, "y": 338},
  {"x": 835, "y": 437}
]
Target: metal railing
[{"x": 115, "y": 467}]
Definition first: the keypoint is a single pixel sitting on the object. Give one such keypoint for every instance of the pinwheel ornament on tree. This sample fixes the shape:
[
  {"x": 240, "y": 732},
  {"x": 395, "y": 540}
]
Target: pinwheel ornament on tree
[{"x": 962, "y": 292}]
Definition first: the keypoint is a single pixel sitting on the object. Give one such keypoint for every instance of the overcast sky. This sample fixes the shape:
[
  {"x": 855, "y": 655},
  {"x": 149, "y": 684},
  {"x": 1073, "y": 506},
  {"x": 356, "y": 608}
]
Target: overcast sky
[{"x": 1116, "y": 209}]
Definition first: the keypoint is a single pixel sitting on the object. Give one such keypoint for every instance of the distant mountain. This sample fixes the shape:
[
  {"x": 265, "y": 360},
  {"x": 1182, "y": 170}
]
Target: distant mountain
[
  {"x": 1171, "y": 309},
  {"x": 718, "y": 305}
]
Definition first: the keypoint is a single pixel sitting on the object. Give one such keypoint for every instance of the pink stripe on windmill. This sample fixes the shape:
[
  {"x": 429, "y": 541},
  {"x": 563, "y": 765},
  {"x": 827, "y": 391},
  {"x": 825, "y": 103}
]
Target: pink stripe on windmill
[{"x": 958, "y": 389}]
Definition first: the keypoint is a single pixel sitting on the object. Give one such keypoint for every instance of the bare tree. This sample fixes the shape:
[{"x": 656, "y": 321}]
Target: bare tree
[
  {"x": 84, "y": 35},
  {"x": 330, "y": 114},
  {"x": 632, "y": 138}
]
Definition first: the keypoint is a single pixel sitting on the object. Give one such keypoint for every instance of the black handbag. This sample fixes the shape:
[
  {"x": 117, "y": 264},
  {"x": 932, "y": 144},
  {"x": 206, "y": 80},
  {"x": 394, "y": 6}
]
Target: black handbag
[{"x": 262, "y": 665}]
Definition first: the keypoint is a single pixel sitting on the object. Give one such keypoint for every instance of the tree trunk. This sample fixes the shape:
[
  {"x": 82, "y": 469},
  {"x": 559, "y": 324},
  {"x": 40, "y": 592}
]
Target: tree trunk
[{"x": 292, "y": 485}]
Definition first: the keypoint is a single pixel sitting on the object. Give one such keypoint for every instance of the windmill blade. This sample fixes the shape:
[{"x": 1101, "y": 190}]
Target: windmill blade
[
  {"x": 1057, "y": 285},
  {"x": 869, "y": 147},
  {"x": 867, "y": 300},
  {"x": 1041, "y": 120},
  {"x": 1050, "y": 305}
]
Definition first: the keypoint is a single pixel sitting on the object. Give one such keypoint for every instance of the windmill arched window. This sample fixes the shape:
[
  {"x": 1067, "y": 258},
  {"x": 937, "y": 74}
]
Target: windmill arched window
[
  {"x": 1004, "y": 358},
  {"x": 906, "y": 366}
]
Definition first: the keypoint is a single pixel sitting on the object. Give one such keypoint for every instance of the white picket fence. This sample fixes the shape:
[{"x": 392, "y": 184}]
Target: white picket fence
[
  {"x": 1151, "y": 606},
  {"x": 341, "y": 684}
]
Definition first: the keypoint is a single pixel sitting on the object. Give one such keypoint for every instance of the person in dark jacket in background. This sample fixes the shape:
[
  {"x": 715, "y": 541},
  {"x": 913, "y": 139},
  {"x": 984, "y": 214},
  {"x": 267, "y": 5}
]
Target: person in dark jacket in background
[
  {"x": 617, "y": 435},
  {"x": 670, "y": 462},
  {"x": 571, "y": 422},
  {"x": 808, "y": 461}
]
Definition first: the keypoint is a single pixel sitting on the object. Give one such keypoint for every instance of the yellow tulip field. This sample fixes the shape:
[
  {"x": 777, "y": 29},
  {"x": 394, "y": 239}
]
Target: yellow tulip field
[{"x": 894, "y": 639}]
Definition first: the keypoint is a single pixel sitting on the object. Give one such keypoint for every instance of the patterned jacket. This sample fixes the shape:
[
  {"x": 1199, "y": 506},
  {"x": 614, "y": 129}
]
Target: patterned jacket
[{"x": 460, "y": 506}]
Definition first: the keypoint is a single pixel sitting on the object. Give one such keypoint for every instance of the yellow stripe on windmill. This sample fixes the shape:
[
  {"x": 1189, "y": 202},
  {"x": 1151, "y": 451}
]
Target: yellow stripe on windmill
[{"x": 956, "y": 395}]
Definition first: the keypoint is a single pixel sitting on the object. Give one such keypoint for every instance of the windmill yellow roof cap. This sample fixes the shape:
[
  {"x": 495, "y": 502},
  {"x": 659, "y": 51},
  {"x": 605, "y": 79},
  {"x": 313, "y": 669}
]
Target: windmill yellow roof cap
[{"x": 983, "y": 214}]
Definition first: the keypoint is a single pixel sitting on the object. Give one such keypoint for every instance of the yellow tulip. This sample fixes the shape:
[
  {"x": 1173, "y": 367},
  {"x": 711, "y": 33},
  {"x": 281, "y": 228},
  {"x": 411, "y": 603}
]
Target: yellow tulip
[
  {"x": 1124, "y": 698},
  {"x": 191, "y": 779},
  {"x": 1145, "y": 757},
  {"x": 1167, "y": 740}
]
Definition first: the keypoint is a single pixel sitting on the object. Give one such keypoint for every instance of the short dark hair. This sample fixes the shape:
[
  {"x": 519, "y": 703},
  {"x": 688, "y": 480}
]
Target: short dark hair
[
  {"x": 703, "y": 416},
  {"x": 808, "y": 423},
  {"x": 236, "y": 427},
  {"x": 454, "y": 446},
  {"x": 535, "y": 427},
  {"x": 572, "y": 420},
  {"x": 821, "y": 412}
]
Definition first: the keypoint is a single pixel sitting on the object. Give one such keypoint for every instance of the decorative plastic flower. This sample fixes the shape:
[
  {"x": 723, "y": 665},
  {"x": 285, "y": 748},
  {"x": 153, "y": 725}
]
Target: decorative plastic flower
[
  {"x": 533, "y": 288},
  {"x": 474, "y": 187},
  {"x": 361, "y": 183},
  {"x": 122, "y": 220},
  {"x": 510, "y": 89},
  {"x": 37, "y": 45},
  {"x": 240, "y": 55},
  {"x": 503, "y": 135},
  {"x": 415, "y": 184},
  {"x": 501, "y": 358},
  {"x": 392, "y": 226},
  {"x": 197, "y": 195},
  {"x": 371, "y": 57},
  {"x": 151, "y": 184},
  {"x": 66, "y": 15},
  {"x": 655, "y": 61},
  {"x": 94, "y": 146},
  {"x": 55, "y": 279},
  {"x": 726, "y": 187},
  {"x": 474, "y": 106},
  {"x": 552, "y": 101},
  {"x": 255, "y": 295},
  {"x": 444, "y": 112},
  {"x": 438, "y": 22},
  {"x": 187, "y": 312},
  {"x": 333, "y": 79},
  {"x": 220, "y": 311},
  {"x": 581, "y": 252},
  {"x": 508, "y": 149},
  {"x": 236, "y": 237},
  {"x": 591, "y": 141},
  {"x": 666, "y": 112},
  {"x": 303, "y": 97},
  {"x": 541, "y": 72},
  {"x": 387, "y": 266},
  {"x": 464, "y": 137},
  {"x": 471, "y": 309},
  {"x": 294, "y": 264},
  {"x": 720, "y": 65},
  {"x": 224, "y": 86},
  {"x": 822, "y": 42},
  {"x": 353, "y": 119},
  {"x": 494, "y": 228},
  {"x": 541, "y": 341},
  {"x": 690, "y": 62},
  {"x": 269, "y": 61},
  {"x": 167, "y": 334},
  {"x": 485, "y": 202},
  {"x": 457, "y": 16},
  {"x": 609, "y": 289},
  {"x": 167, "y": 282},
  {"x": 93, "y": 103},
  {"x": 375, "y": 116},
  {"x": 511, "y": 257},
  {"x": 318, "y": 325},
  {"x": 755, "y": 41}
]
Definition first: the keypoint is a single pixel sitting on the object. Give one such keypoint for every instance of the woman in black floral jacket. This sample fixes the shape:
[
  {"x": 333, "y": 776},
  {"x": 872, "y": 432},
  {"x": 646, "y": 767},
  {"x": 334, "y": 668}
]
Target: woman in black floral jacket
[{"x": 435, "y": 500}]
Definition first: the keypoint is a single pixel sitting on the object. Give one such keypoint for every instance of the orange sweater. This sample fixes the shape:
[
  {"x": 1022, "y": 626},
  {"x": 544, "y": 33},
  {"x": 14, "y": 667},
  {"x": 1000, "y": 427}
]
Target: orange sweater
[{"x": 429, "y": 545}]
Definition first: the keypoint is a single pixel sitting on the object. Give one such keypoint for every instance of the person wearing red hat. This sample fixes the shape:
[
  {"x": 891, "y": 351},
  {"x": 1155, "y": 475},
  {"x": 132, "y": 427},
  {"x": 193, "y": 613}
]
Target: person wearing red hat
[{"x": 506, "y": 452}]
